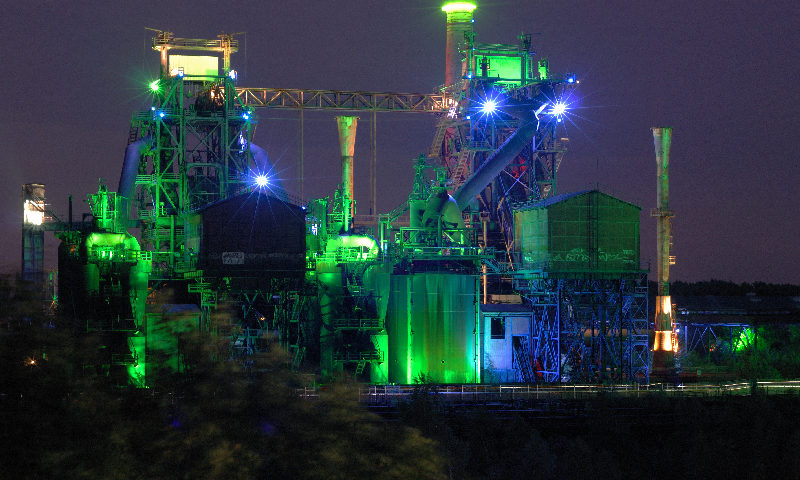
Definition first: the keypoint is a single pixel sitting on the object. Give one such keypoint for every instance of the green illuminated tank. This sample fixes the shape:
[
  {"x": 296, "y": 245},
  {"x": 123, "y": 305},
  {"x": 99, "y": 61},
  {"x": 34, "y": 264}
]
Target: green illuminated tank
[{"x": 431, "y": 324}]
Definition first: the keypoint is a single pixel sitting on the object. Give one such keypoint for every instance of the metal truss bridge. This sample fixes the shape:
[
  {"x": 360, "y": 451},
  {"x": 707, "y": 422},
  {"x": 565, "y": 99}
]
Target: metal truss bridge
[{"x": 297, "y": 99}]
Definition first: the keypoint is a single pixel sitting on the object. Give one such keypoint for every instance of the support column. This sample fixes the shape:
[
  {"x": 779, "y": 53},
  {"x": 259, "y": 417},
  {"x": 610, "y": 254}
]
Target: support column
[
  {"x": 663, "y": 347},
  {"x": 300, "y": 160}
]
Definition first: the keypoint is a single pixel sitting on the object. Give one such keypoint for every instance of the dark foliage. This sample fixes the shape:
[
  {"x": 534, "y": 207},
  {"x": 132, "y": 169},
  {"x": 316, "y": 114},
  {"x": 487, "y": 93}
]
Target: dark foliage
[
  {"x": 663, "y": 437},
  {"x": 220, "y": 420}
]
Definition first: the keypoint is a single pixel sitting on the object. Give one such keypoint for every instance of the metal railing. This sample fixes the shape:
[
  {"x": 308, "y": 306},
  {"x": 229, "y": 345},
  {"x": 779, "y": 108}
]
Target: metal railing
[{"x": 495, "y": 393}]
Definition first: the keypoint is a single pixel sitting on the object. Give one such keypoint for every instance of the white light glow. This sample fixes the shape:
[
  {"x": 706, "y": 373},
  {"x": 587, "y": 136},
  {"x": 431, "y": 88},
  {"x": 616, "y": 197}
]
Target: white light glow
[
  {"x": 558, "y": 109},
  {"x": 33, "y": 213},
  {"x": 262, "y": 180}
]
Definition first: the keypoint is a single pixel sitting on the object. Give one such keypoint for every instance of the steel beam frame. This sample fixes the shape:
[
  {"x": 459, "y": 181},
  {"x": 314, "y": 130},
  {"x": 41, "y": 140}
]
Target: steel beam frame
[
  {"x": 300, "y": 99},
  {"x": 589, "y": 327}
]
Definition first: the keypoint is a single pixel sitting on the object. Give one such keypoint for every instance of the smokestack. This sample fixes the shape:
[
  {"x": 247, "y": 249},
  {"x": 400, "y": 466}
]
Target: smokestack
[
  {"x": 347, "y": 141},
  {"x": 459, "y": 23},
  {"x": 663, "y": 347}
]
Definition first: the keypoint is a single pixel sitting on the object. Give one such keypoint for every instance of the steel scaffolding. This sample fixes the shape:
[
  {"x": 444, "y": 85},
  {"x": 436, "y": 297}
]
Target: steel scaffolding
[{"x": 589, "y": 327}]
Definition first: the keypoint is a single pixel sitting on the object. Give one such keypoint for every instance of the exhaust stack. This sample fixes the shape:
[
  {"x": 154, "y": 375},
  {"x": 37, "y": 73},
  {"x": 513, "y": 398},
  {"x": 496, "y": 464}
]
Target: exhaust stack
[
  {"x": 459, "y": 24},
  {"x": 663, "y": 346},
  {"x": 347, "y": 141}
]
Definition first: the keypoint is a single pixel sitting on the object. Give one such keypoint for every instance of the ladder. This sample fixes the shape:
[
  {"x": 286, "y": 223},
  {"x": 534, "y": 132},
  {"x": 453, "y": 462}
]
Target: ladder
[
  {"x": 462, "y": 168},
  {"x": 362, "y": 364},
  {"x": 436, "y": 146}
]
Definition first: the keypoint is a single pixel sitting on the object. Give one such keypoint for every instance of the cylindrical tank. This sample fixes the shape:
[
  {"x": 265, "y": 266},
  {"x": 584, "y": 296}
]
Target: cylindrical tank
[{"x": 431, "y": 324}]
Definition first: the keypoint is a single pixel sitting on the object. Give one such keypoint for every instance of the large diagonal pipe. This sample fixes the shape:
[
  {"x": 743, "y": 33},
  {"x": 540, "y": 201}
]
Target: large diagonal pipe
[{"x": 528, "y": 125}]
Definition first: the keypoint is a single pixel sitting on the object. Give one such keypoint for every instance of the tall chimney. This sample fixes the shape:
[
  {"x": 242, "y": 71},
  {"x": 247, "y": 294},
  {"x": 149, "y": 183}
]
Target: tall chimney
[
  {"x": 347, "y": 141},
  {"x": 459, "y": 22},
  {"x": 663, "y": 348}
]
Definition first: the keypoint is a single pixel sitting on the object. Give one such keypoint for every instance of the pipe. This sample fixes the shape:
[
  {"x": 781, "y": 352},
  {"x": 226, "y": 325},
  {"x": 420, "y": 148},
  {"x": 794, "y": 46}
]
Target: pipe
[
  {"x": 127, "y": 177},
  {"x": 130, "y": 167},
  {"x": 529, "y": 124},
  {"x": 347, "y": 140}
]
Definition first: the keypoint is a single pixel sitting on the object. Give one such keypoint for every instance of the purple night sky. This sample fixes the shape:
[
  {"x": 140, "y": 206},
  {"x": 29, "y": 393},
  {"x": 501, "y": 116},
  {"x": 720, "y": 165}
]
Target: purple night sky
[{"x": 722, "y": 74}]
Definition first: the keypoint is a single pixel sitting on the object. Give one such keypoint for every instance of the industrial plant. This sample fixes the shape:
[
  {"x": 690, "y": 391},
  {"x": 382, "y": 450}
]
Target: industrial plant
[{"x": 487, "y": 273}]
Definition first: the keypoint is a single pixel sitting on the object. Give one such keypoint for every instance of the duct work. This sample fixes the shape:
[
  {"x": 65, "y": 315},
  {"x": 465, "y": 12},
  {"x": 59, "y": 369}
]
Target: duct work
[
  {"x": 449, "y": 208},
  {"x": 127, "y": 178}
]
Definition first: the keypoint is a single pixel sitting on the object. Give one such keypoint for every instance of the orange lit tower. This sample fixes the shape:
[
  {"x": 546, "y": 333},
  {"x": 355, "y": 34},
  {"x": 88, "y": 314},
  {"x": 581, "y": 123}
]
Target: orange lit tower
[{"x": 663, "y": 345}]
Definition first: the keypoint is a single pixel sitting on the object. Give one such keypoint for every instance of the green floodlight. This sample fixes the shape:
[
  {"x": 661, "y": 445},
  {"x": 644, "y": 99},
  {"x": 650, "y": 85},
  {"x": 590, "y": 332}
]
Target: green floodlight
[
  {"x": 155, "y": 86},
  {"x": 458, "y": 7}
]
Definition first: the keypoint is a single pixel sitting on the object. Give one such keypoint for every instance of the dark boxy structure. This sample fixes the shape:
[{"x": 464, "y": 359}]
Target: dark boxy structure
[
  {"x": 579, "y": 232},
  {"x": 251, "y": 235}
]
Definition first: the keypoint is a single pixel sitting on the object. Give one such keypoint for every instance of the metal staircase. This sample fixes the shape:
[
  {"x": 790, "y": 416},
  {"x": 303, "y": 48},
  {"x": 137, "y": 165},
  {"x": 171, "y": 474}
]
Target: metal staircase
[{"x": 522, "y": 357}]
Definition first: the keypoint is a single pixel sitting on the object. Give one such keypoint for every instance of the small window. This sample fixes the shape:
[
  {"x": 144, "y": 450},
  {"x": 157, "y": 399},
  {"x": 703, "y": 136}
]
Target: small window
[{"x": 498, "y": 327}]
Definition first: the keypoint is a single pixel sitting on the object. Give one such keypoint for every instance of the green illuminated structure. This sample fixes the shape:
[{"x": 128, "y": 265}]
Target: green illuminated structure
[
  {"x": 579, "y": 232},
  {"x": 579, "y": 267},
  {"x": 103, "y": 280},
  {"x": 481, "y": 272},
  {"x": 432, "y": 329}
]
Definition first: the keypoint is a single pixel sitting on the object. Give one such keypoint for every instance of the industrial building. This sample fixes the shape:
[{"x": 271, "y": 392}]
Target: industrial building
[{"x": 487, "y": 273}]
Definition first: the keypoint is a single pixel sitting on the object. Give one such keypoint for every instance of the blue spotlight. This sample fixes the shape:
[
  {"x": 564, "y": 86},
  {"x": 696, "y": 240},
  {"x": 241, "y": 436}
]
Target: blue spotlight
[
  {"x": 161, "y": 114},
  {"x": 246, "y": 116},
  {"x": 571, "y": 78},
  {"x": 489, "y": 106},
  {"x": 558, "y": 109},
  {"x": 262, "y": 180}
]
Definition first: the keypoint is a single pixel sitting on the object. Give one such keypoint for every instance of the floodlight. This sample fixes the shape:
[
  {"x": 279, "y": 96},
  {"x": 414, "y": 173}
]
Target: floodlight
[
  {"x": 458, "y": 7},
  {"x": 489, "y": 106},
  {"x": 558, "y": 109}
]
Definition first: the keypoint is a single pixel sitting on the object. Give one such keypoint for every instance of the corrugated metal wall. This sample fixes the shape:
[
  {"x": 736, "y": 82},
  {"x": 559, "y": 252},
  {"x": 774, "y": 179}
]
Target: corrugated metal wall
[
  {"x": 588, "y": 232},
  {"x": 431, "y": 322}
]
